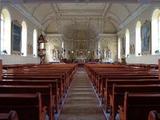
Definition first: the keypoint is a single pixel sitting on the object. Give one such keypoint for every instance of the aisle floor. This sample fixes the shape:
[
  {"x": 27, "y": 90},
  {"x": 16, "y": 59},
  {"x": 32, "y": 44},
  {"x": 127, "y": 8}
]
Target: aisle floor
[{"x": 81, "y": 102}]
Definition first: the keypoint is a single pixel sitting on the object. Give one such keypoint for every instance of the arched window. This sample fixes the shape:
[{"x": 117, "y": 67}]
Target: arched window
[
  {"x": 24, "y": 39},
  {"x": 35, "y": 42},
  {"x": 138, "y": 38},
  {"x": 127, "y": 42},
  {"x": 62, "y": 45},
  {"x": 5, "y": 32},
  {"x": 156, "y": 31},
  {"x": 119, "y": 48}
]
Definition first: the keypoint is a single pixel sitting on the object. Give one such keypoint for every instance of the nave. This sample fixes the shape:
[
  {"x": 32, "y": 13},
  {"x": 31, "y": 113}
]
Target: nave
[
  {"x": 81, "y": 102},
  {"x": 71, "y": 92}
]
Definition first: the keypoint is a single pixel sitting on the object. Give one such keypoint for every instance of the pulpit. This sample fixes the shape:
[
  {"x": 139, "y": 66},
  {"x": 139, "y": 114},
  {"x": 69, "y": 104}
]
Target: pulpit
[{"x": 41, "y": 49}]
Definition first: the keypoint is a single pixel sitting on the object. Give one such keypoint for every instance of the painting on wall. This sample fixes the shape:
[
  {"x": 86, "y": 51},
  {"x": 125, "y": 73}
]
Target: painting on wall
[
  {"x": 146, "y": 37},
  {"x": 123, "y": 43},
  {"x": 132, "y": 49},
  {"x": 29, "y": 48},
  {"x": 16, "y": 37}
]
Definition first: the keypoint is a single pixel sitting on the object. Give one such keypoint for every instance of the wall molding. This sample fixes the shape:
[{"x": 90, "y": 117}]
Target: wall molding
[
  {"x": 27, "y": 15},
  {"x": 138, "y": 12}
]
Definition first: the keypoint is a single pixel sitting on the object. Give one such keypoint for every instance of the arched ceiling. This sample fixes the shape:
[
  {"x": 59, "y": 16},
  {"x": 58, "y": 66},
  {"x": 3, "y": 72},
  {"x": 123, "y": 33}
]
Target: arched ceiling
[{"x": 55, "y": 16}]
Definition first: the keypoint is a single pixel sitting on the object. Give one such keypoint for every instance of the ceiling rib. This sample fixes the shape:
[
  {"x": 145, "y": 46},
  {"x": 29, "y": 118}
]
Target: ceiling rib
[
  {"x": 106, "y": 9},
  {"x": 35, "y": 8}
]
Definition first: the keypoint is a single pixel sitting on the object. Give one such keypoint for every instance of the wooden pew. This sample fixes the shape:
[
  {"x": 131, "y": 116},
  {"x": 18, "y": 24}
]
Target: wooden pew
[
  {"x": 58, "y": 75},
  {"x": 27, "y": 106},
  {"x": 45, "y": 90},
  {"x": 103, "y": 73},
  {"x": 109, "y": 87},
  {"x": 119, "y": 91},
  {"x": 101, "y": 84},
  {"x": 99, "y": 75},
  {"x": 153, "y": 115},
  {"x": 1, "y": 73},
  {"x": 137, "y": 105},
  {"x": 63, "y": 76},
  {"x": 11, "y": 115},
  {"x": 39, "y": 72},
  {"x": 54, "y": 87},
  {"x": 58, "y": 78}
]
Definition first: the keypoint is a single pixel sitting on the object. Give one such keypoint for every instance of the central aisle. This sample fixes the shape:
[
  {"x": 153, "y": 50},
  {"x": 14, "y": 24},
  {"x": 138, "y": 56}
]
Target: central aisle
[{"x": 81, "y": 102}]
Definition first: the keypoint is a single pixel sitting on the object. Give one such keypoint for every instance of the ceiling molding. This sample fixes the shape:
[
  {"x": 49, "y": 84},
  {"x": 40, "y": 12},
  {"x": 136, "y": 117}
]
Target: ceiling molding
[
  {"x": 56, "y": 9},
  {"x": 107, "y": 35},
  {"x": 125, "y": 6},
  {"x": 81, "y": 1},
  {"x": 106, "y": 9},
  {"x": 59, "y": 36},
  {"x": 80, "y": 17},
  {"x": 36, "y": 9},
  {"x": 114, "y": 16},
  {"x": 134, "y": 15},
  {"x": 114, "y": 22},
  {"x": 54, "y": 35},
  {"x": 27, "y": 15},
  {"x": 101, "y": 36},
  {"x": 49, "y": 16}
]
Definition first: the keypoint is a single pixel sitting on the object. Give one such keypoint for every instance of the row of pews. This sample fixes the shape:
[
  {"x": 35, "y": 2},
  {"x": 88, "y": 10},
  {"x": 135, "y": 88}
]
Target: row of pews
[
  {"x": 127, "y": 92},
  {"x": 34, "y": 91}
]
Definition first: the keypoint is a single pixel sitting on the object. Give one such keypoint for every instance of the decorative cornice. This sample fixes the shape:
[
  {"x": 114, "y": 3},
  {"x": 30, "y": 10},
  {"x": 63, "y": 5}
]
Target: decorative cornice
[
  {"x": 107, "y": 35},
  {"x": 54, "y": 35},
  {"x": 26, "y": 14},
  {"x": 134, "y": 15},
  {"x": 101, "y": 35},
  {"x": 60, "y": 36}
]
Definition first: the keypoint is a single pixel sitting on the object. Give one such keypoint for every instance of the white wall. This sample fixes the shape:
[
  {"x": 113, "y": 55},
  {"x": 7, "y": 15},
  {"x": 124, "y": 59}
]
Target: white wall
[
  {"x": 145, "y": 15},
  {"x": 15, "y": 59},
  {"x": 146, "y": 59}
]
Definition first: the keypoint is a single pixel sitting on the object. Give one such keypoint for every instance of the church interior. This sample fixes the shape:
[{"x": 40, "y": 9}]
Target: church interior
[{"x": 79, "y": 59}]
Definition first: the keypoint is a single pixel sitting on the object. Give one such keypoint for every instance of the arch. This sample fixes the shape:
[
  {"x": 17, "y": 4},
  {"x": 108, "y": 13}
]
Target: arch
[
  {"x": 127, "y": 42},
  {"x": 5, "y": 32},
  {"x": 138, "y": 38},
  {"x": 24, "y": 39},
  {"x": 35, "y": 42},
  {"x": 155, "y": 31}
]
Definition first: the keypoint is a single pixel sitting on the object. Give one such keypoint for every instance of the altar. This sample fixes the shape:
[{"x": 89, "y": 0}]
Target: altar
[{"x": 81, "y": 59}]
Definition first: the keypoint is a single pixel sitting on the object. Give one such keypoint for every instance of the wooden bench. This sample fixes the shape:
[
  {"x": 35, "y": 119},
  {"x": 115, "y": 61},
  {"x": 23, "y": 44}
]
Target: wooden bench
[
  {"x": 45, "y": 90},
  {"x": 101, "y": 84},
  {"x": 58, "y": 78},
  {"x": 11, "y": 115},
  {"x": 63, "y": 77},
  {"x": 28, "y": 78},
  {"x": 27, "y": 106},
  {"x": 137, "y": 105},
  {"x": 104, "y": 77},
  {"x": 153, "y": 115},
  {"x": 54, "y": 87},
  {"x": 109, "y": 87},
  {"x": 118, "y": 92}
]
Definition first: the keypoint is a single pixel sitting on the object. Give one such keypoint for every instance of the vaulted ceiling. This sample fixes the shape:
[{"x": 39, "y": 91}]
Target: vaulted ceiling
[{"x": 101, "y": 16}]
